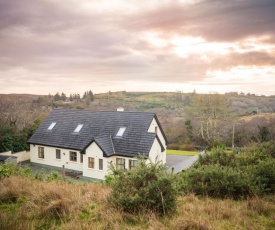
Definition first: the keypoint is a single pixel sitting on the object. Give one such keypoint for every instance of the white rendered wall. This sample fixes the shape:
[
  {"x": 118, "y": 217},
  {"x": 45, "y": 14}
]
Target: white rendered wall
[
  {"x": 155, "y": 146},
  {"x": 94, "y": 151},
  {"x": 155, "y": 153},
  {"x": 22, "y": 156},
  {"x": 50, "y": 157},
  {"x": 152, "y": 130}
]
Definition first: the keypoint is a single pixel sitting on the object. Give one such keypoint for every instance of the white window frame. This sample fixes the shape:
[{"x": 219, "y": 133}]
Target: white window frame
[
  {"x": 41, "y": 153},
  {"x": 100, "y": 164},
  {"x": 58, "y": 152},
  {"x": 132, "y": 164},
  {"x": 120, "y": 163},
  {"x": 73, "y": 156},
  {"x": 91, "y": 162}
]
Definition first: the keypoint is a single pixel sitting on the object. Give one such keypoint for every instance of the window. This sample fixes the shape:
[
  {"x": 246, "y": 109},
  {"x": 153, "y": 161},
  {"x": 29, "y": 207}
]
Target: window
[
  {"x": 132, "y": 164},
  {"x": 120, "y": 163},
  {"x": 91, "y": 162},
  {"x": 81, "y": 158},
  {"x": 51, "y": 126},
  {"x": 73, "y": 156},
  {"x": 100, "y": 161},
  {"x": 41, "y": 152},
  {"x": 120, "y": 131},
  {"x": 57, "y": 154},
  {"x": 78, "y": 128}
]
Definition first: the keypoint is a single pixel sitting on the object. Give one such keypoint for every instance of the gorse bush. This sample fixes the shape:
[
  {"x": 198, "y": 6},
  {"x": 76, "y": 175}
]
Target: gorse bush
[
  {"x": 264, "y": 176},
  {"x": 221, "y": 174},
  {"x": 217, "y": 156},
  {"x": 217, "y": 181},
  {"x": 146, "y": 187},
  {"x": 265, "y": 148}
]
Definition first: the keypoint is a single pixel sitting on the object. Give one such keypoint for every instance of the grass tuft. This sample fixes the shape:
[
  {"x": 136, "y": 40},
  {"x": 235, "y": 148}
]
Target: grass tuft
[
  {"x": 181, "y": 152},
  {"x": 58, "y": 205}
]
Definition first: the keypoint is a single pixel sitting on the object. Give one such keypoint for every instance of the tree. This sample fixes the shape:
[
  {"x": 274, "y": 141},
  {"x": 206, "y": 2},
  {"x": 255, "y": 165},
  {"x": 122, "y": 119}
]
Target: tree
[
  {"x": 210, "y": 113},
  {"x": 263, "y": 133},
  {"x": 88, "y": 95},
  {"x": 56, "y": 97},
  {"x": 63, "y": 96},
  {"x": 189, "y": 129}
]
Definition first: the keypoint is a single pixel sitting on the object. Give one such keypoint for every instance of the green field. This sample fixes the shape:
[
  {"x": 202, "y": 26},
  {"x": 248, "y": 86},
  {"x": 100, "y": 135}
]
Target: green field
[{"x": 181, "y": 152}]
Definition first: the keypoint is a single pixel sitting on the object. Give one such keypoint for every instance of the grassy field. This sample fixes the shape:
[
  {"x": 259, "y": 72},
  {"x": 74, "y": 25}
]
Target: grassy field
[
  {"x": 32, "y": 204},
  {"x": 181, "y": 152}
]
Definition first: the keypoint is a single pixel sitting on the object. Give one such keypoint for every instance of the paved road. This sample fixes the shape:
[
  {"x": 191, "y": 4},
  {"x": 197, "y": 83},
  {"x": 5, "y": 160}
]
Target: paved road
[{"x": 172, "y": 160}]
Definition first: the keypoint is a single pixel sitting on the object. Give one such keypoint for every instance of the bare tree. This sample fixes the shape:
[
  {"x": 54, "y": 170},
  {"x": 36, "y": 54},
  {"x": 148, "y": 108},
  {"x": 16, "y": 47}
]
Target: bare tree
[{"x": 211, "y": 115}]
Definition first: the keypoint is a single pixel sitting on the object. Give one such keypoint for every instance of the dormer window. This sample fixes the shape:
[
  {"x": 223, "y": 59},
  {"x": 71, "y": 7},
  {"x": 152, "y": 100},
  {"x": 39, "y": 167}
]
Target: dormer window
[
  {"x": 51, "y": 126},
  {"x": 78, "y": 128},
  {"x": 120, "y": 131}
]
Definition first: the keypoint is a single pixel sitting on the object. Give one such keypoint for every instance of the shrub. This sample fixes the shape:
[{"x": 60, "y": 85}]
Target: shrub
[
  {"x": 39, "y": 175},
  {"x": 173, "y": 146},
  {"x": 217, "y": 156},
  {"x": 251, "y": 158},
  {"x": 7, "y": 170},
  {"x": 265, "y": 148},
  {"x": 187, "y": 147},
  {"x": 264, "y": 176},
  {"x": 146, "y": 187},
  {"x": 217, "y": 181},
  {"x": 26, "y": 171},
  {"x": 53, "y": 176}
]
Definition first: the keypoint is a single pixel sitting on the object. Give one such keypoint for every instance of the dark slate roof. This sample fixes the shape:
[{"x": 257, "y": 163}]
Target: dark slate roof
[
  {"x": 106, "y": 144},
  {"x": 5, "y": 157},
  {"x": 99, "y": 126}
]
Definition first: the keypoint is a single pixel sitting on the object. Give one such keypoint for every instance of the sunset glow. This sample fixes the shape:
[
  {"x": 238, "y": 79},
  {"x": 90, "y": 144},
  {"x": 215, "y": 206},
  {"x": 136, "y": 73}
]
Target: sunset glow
[{"x": 48, "y": 46}]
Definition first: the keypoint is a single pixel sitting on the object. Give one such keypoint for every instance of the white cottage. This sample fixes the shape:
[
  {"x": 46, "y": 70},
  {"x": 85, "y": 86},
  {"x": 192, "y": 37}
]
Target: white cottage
[{"x": 87, "y": 141}]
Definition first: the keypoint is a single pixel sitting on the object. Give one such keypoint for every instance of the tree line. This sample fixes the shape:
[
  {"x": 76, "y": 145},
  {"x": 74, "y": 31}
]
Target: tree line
[{"x": 88, "y": 95}]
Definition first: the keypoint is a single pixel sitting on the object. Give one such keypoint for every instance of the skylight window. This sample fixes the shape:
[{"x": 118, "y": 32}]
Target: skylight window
[
  {"x": 120, "y": 131},
  {"x": 52, "y": 125},
  {"x": 78, "y": 128}
]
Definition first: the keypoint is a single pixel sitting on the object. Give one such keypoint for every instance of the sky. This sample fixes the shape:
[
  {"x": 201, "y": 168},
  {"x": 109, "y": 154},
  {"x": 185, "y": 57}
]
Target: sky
[{"x": 49, "y": 46}]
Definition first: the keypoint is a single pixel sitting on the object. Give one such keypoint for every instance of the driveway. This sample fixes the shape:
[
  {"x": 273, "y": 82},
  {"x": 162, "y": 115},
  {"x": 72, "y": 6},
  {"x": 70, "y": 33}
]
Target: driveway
[{"x": 172, "y": 160}]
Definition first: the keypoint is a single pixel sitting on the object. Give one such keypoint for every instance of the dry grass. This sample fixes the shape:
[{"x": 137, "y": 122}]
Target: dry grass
[{"x": 30, "y": 204}]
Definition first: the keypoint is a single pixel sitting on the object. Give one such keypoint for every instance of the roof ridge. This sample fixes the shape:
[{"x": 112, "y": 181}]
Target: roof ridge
[{"x": 98, "y": 111}]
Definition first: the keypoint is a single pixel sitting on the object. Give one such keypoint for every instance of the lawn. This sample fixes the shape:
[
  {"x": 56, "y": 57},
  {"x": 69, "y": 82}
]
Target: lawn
[{"x": 181, "y": 152}]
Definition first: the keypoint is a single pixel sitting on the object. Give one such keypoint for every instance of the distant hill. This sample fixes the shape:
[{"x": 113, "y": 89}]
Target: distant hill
[{"x": 171, "y": 108}]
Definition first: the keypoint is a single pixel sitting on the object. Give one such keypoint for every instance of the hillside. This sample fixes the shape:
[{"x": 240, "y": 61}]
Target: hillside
[{"x": 172, "y": 108}]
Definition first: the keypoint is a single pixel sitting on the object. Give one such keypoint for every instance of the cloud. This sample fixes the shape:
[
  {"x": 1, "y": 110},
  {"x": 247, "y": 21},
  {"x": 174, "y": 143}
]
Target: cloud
[
  {"x": 242, "y": 59},
  {"x": 81, "y": 43},
  {"x": 212, "y": 19}
]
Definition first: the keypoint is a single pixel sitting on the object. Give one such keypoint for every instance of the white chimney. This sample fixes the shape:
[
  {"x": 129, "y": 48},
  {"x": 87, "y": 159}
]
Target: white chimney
[{"x": 120, "y": 109}]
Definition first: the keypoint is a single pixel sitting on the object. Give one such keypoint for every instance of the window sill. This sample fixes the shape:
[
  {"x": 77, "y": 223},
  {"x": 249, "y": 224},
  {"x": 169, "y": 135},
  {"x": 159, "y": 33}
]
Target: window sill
[
  {"x": 99, "y": 170},
  {"x": 74, "y": 162}
]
